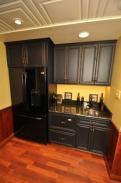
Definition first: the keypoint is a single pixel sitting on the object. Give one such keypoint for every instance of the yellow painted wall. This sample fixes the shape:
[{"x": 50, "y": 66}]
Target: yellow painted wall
[
  {"x": 83, "y": 90},
  {"x": 110, "y": 95},
  {"x": 5, "y": 98}
]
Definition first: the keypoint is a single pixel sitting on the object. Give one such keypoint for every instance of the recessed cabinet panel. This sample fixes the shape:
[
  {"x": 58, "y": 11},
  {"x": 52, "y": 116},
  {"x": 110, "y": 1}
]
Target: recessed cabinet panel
[
  {"x": 15, "y": 55},
  {"x": 105, "y": 63},
  {"x": 72, "y": 64},
  {"x": 99, "y": 142},
  {"x": 88, "y": 64},
  {"x": 16, "y": 85},
  {"x": 83, "y": 137},
  {"x": 59, "y": 65},
  {"x": 35, "y": 54}
]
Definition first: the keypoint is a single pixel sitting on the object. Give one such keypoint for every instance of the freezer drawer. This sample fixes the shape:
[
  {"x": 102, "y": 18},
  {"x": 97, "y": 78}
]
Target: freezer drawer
[{"x": 31, "y": 128}]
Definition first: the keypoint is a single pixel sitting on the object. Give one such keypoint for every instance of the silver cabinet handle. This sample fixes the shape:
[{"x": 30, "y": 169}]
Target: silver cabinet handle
[
  {"x": 62, "y": 138},
  {"x": 25, "y": 77},
  {"x": 63, "y": 122},
  {"x": 22, "y": 78},
  {"x": 69, "y": 119}
]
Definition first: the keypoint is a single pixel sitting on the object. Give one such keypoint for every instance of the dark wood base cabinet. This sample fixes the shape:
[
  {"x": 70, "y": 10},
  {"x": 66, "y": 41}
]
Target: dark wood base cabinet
[{"x": 81, "y": 132}]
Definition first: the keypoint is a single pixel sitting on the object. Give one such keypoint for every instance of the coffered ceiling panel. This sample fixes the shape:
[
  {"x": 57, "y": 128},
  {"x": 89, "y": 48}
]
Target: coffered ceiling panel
[
  {"x": 62, "y": 11},
  {"x": 8, "y": 17},
  {"x": 45, "y": 14}
]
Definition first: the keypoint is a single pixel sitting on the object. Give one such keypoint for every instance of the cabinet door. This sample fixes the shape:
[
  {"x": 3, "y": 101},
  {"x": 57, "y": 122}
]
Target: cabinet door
[
  {"x": 99, "y": 141},
  {"x": 16, "y": 81},
  {"x": 83, "y": 136},
  {"x": 88, "y": 64},
  {"x": 35, "y": 53},
  {"x": 105, "y": 62},
  {"x": 59, "y": 65},
  {"x": 15, "y": 55},
  {"x": 72, "y": 67}
]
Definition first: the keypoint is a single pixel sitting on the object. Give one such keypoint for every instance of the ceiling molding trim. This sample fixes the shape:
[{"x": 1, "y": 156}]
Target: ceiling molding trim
[
  {"x": 98, "y": 5},
  {"x": 18, "y": 9},
  {"x": 2, "y": 27},
  {"x": 64, "y": 24},
  {"x": 9, "y": 27},
  {"x": 36, "y": 11},
  {"x": 39, "y": 6},
  {"x": 30, "y": 14},
  {"x": 19, "y": 4},
  {"x": 106, "y": 4},
  {"x": 46, "y": 13}
]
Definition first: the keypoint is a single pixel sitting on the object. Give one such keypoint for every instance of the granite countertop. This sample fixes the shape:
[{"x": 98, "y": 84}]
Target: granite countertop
[{"x": 81, "y": 111}]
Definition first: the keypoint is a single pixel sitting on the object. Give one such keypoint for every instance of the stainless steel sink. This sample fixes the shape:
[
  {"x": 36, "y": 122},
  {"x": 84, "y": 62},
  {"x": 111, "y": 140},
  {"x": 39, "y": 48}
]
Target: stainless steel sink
[{"x": 92, "y": 112}]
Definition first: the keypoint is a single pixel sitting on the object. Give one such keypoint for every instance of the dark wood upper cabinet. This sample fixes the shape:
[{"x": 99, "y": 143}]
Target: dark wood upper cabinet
[
  {"x": 60, "y": 65},
  {"x": 35, "y": 53},
  {"x": 104, "y": 64},
  {"x": 88, "y": 64},
  {"x": 30, "y": 53},
  {"x": 15, "y": 55},
  {"x": 72, "y": 65},
  {"x": 66, "y": 62},
  {"x": 84, "y": 63}
]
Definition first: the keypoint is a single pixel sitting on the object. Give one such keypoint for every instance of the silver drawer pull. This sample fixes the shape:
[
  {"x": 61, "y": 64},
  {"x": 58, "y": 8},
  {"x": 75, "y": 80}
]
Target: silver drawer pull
[
  {"x": 62, "y": 138},
  {"x": 63, "y": 122},
  {"x": 69, "y": 119}
]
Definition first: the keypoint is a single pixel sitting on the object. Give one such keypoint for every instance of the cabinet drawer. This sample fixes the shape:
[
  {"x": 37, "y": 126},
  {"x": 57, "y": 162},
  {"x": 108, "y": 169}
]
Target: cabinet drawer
[
  {"x": 102, "y": 123},
  {"x": 62, "y": 137},
  {"x": 84, "y": 121},
  {"x": 63, "y": 121}
]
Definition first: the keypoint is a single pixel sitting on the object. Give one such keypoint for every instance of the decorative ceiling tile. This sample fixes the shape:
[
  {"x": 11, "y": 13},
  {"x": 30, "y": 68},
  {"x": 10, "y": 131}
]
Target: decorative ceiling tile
[
  {"x": 48, "y": 14},
  {"x": 62, "y": 11}
]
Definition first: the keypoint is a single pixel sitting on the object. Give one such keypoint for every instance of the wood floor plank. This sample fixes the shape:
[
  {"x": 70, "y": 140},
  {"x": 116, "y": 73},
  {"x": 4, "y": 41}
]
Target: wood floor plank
[{"x": 27, "y": 162}]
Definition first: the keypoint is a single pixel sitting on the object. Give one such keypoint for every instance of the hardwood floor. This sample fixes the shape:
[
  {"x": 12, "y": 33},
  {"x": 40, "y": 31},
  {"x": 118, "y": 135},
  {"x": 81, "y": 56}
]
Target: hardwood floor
[{"x": 27, "y": 162}]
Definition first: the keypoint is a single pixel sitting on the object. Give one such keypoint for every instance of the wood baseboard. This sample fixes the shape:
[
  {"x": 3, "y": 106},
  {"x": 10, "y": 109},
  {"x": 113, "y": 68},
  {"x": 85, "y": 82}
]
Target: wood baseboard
[
  {"x": 6, "y": 140},
  {"x": 115, "y": 177}
]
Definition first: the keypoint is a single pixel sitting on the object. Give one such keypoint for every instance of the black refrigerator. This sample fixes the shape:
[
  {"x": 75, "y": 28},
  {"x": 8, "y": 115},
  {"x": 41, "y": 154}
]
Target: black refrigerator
[{"x": 30, "y": 103}]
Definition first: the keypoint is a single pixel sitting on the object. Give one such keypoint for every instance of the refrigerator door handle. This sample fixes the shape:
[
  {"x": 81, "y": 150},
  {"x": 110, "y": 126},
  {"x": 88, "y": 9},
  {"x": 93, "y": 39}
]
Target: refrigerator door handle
[
  {"x": 25, "y": 77},
  {"x": 38, "y": 118},
  {"x": 22, "y": 78}
]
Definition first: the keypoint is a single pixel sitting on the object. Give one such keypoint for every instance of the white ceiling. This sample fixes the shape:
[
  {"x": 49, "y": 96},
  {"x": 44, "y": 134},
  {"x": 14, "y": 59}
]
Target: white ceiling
[{"x": 61, "y": 20}]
